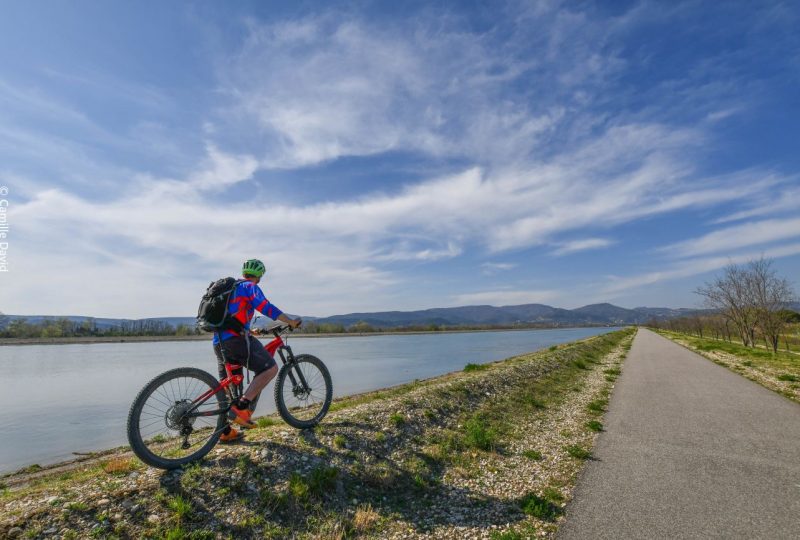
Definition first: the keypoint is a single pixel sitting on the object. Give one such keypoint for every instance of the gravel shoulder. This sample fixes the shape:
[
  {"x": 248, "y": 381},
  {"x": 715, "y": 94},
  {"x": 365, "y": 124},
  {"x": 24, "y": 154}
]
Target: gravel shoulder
[{"x": 491, "y": 452}]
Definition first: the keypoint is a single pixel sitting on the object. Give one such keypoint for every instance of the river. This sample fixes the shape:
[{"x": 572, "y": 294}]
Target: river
[{"x": 61, "y": 399}]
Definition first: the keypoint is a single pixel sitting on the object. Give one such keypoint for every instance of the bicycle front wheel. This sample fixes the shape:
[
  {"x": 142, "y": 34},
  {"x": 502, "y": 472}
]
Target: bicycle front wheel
[
  {"x": 166, "y": 427},
  {"x": 303, "y": 391}
]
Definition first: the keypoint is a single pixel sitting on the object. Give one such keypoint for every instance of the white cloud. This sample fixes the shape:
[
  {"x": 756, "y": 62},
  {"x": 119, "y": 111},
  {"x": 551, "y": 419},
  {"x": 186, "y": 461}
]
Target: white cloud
[
  {"x": 581, "y": 245},
  {"x": 507, "y": 297},
  {"x": 692, "y": 267},
  {"x": 732, "y": 238},
  {"x": 491, "y": 268}
]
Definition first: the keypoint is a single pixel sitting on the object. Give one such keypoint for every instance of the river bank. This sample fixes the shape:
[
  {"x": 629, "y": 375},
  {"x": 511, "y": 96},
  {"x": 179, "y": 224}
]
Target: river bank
[{"x": 491, "y": 452}]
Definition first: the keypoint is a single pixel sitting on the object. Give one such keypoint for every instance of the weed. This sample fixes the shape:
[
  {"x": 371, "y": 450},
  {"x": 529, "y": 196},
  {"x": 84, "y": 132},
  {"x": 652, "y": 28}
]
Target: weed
[
  {"x": 430, "y": 414},
  {"x": 181, "y": 507},
  {"x": 535, "y": 455},
  {"x": 553, "y": 348},
  {"x": 578, "y": 452},
  {"x": 788, "y": 377},
  {"x": 298, "y": 487},
  {"x": 469, "y": 368},
  {"x": 176, "y": 533},
  {"x": 380, "y": 437},
  {"x": 32, "y": 468},
  {"x": 539, "y": 507},
  {"x": 322, "y": 479},
  {"x": 594, "y": 425},
  {"x": 478, "y": 434},
  {"x": 580, "y": 364},
  {"x": 243, "y": 463},
  {"x": 614, "y": 372},
  {"x": 747, "y": 363},
  {"x": 339, "y": 441},
  {"x": 192, "y": 476},
  {"x": 397, "y": 419}
]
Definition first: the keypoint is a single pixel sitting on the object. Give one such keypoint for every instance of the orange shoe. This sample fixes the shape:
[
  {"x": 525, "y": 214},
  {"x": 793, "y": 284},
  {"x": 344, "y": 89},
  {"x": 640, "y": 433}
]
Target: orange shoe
[
  {"x": 242, "y": 417},
  {"x": 232, "y": 436}
]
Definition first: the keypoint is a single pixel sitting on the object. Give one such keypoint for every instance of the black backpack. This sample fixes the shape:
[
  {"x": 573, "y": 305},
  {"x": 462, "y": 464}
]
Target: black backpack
[{"x": 212, "y": 315}]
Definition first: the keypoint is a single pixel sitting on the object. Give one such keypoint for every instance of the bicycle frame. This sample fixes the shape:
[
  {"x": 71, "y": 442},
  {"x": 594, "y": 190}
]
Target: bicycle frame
[{"x": 276, "y": 345}]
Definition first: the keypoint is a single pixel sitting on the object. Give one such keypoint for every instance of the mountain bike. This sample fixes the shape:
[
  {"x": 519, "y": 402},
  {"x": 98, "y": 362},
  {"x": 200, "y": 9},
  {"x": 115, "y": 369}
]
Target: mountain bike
[{"x": 178, "y": 417}]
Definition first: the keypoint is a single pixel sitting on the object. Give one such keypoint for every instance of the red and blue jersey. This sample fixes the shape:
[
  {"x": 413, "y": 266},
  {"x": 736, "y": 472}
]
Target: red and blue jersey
[{"x": 246, "y": 299}]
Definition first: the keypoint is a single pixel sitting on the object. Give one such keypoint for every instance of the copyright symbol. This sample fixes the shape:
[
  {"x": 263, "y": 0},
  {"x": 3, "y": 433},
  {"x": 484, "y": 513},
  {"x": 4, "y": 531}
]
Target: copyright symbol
[{"x": 3, "y": 190}]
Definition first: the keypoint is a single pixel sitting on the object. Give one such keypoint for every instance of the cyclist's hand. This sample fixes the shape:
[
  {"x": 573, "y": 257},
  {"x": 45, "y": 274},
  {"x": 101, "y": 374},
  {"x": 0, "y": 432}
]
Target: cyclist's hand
[{"x": 295, "y": 323}]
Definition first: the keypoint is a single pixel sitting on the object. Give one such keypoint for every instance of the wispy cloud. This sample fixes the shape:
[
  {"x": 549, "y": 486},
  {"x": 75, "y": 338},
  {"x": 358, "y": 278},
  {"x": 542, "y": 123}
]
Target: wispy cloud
[
  {"x": 507, "y": 297},
  {"x": 733, "y": 238},
  {"x": 581, "y": 245}
]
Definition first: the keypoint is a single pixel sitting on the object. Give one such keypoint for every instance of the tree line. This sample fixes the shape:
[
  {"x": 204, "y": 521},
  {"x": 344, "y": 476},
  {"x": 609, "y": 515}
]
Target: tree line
[
  {"x": 62, "y": 327},
  {"x": 749, "y": 302}
]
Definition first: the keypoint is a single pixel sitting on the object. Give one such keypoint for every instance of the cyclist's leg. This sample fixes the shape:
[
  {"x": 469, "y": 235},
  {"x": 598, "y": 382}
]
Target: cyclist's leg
[
  {"x": 218, "y": 352},
  {"x": 263, "y": 365}
]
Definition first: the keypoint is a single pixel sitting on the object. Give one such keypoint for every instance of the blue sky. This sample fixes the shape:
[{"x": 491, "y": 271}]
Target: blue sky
[{"x": 394, "y": 157}]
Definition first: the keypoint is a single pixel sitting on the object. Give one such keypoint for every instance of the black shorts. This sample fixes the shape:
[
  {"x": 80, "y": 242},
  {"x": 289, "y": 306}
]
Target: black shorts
[{"x": 234, "y": 351}]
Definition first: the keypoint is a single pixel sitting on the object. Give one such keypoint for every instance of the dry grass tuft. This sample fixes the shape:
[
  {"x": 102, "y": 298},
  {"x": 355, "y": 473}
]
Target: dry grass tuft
[{"x": 365, "y": 519}]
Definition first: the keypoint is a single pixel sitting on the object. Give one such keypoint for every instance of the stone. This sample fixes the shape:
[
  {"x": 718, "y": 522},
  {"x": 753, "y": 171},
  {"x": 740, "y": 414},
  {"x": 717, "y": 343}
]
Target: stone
[
  {"x": 152, "y": 518},
  {"x": 14, "y": 532},
  {"x": 103, "y": 502}
]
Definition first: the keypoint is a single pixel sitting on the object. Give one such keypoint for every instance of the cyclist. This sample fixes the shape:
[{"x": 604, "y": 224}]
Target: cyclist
[{"x": 244, "y": 349}]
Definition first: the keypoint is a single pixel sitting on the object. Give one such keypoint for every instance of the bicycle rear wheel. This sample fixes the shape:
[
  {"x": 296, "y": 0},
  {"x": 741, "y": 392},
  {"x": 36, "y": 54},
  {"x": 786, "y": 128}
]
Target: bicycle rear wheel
[
  {"x": 303, "y": 391},
  {"x": 163, "y": 432}
]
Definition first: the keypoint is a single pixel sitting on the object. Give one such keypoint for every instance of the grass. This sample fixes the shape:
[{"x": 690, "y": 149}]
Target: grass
[
  {"x": 380, "y": 437},
  {"x": 788, "y": 377},
  {"x": 321, "y": 480},
  {"x": 397, "y": 419},
  {"x": 265, "y": 422},
  {"x": 597, "y": 406},
  {"x": 339, "y": 441},
  {"x": 180, "y": 507},
  {"x": 540, "y": 506},
  {"x": 534, "y": 455},
  {"x": 478, "y": 434}
]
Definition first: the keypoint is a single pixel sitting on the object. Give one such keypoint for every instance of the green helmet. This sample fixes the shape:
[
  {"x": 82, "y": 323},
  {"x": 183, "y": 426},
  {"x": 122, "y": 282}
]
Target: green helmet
[{"x": 254, "y": 267}]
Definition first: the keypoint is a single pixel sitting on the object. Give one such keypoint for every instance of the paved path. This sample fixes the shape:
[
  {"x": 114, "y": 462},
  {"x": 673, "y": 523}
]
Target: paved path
[{"x": 691, "y": 450}]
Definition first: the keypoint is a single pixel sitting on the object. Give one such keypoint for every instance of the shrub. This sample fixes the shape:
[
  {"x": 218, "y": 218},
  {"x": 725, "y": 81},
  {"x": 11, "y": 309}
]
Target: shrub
[{"x": 475, "y": 367}]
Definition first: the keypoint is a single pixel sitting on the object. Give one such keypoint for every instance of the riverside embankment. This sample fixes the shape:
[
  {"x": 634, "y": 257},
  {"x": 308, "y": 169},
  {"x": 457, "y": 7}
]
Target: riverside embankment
[{"x": 489, "y": 452}]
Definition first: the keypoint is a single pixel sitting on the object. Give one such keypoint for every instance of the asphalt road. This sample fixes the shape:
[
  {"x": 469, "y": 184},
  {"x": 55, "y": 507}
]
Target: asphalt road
[{"x": 691, "y": 450}]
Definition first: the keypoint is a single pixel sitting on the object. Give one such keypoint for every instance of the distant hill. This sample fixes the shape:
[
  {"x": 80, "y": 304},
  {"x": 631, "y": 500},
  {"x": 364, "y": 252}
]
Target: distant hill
[
  {"x": 603, "y": 314},
  {"x": 594, "y": 314}
]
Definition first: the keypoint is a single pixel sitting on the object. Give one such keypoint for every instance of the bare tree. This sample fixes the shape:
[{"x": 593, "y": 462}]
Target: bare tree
[
  {"x": 770, "y": 295},
  {"x": 728, "y": 294}
]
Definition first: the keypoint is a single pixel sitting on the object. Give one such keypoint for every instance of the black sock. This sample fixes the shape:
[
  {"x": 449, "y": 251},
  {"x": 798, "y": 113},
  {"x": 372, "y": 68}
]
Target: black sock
[{"x": 243, "y": 404}]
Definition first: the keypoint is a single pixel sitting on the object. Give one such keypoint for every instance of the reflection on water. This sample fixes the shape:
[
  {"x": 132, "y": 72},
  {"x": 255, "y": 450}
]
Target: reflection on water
[{"x": 60, "y": 399}]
